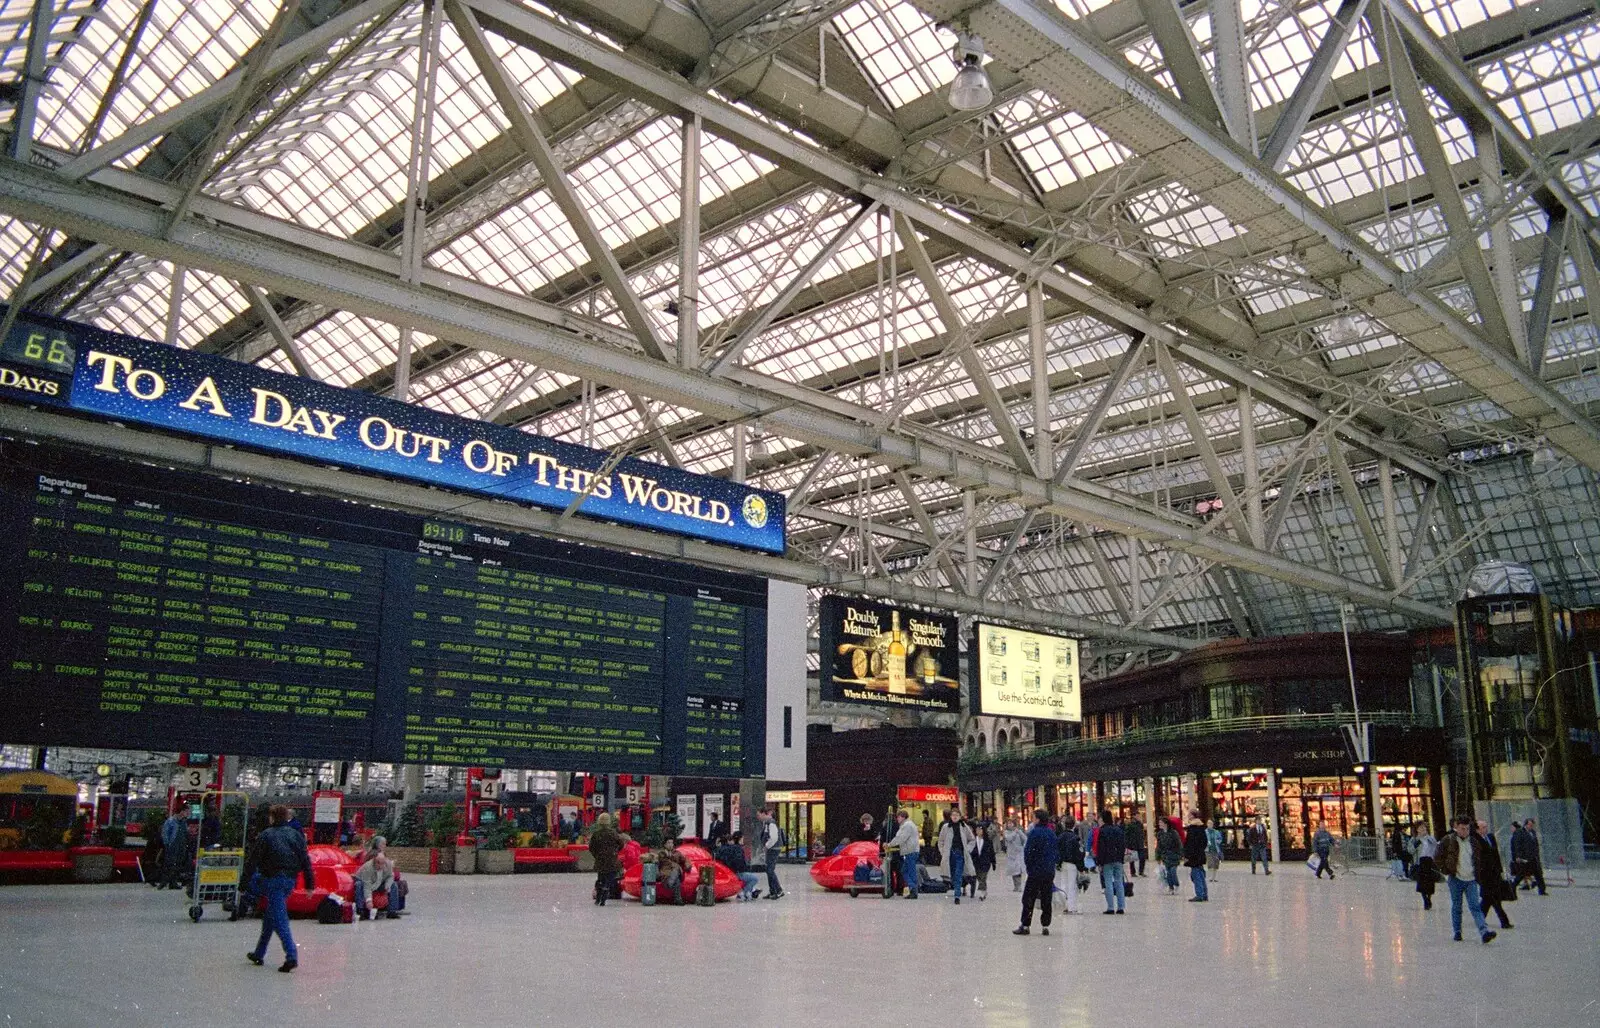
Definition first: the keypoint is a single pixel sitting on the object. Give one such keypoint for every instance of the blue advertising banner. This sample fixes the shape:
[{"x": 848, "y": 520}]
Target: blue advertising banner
[{"x": 82, "y": 368}]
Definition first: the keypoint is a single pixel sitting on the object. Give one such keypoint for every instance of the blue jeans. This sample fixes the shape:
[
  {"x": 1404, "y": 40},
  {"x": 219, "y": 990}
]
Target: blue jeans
[
  {"x": 1460, "y": 890},
  {"x": 750, "y": 880},
  {"x": 276, "y": 920},
  {"x": 1111, "y": 878},
  {"x": 773, "y": 888},
  {"x": 908, "y": 869},
  {"x": 958, "y": 873},
  {"x": 1197, "y": 875}
]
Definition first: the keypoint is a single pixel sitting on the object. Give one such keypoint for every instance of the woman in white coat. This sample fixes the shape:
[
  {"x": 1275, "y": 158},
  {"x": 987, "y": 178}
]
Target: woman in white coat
[{"x": 1014, "y": 840}]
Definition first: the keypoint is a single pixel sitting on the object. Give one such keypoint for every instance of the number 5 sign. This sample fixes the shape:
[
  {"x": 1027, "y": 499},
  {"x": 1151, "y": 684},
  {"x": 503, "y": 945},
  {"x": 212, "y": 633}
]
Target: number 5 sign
[{"x": 191, "y": 779}]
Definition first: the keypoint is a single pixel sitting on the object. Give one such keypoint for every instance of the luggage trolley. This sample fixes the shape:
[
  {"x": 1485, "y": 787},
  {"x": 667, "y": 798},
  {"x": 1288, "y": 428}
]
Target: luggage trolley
[{"x": 218, "y": 871}]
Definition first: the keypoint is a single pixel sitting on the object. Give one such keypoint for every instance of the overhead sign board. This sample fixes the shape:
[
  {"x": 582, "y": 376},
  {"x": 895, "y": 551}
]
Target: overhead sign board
[
  {"x": 1016, "y": 673},
  {"x": 82, "y": 368},
  {"x": 884, "y": 654}
]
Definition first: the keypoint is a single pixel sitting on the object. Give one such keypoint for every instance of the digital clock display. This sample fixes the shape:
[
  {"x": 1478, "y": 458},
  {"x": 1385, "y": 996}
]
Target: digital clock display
[
  {"x": 444, "y": 532},
  {"x": 39, "y": 347}
]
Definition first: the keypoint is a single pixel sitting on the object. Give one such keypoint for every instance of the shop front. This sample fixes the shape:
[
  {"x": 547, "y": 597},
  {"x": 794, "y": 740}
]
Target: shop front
[
  {"x": 1309, "y": 783},
  {"x": 803, "y": 816},
  {"x": 926, "y": 804}
]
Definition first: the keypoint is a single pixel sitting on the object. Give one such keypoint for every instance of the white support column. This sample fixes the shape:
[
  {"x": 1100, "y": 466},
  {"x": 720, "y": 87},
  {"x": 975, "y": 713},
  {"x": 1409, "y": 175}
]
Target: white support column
[
  {"x": 414, "y": 211},
  {"x": 19, "y": 146},
  {"x": 689, "y": 248},
  {"x": 1272, "y": 815},
  {"x": 1043, "y": 456},
  {"x": 738, "y": 452},
  {"x": 180, "y": 287},
  {"x": 1377, "y": 811},
  {"x": 1149, "y": 814},
  {"x": 1233, "y": 72},
  {"x": 969, "y": 515},
  {"x": 1252, "y": 466},
  {"x": 1391, "y": 519}
]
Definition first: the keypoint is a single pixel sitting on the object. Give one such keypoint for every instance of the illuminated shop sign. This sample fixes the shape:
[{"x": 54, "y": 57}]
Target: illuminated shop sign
[
  {"x": 928, "y": 794},
  {"x": 63, "y": 364},
  {"x": 1016, "y": 673}
]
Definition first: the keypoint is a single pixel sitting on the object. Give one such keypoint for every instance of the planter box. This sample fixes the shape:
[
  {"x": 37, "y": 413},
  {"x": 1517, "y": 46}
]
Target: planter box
[
  {"x": 496, "y": 862},
  {"x": 465, "y": 862},
  {"x": 415, "y": 860},
  {"x": 93, "y": 864}
]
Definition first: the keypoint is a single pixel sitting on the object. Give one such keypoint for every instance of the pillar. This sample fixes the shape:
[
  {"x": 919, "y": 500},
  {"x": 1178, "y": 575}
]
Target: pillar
[
  {"x": 411, "y": 782},
  {"x": 1375, "y": 794},
  {"x": 752, "y": 797},
  {"x": 1149, "y": 814},
  {"x": 1272, "y": 815}
]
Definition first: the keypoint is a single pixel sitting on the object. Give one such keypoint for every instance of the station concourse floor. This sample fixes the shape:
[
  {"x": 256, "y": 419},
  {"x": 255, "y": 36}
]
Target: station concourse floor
[{"x": 533, "y": 949}]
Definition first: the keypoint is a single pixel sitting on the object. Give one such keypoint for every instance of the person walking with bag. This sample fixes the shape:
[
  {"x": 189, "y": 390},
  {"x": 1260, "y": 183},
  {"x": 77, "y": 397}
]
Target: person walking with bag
[
  {"x": 955, "y": 842},
  {"x": 1039, "y": 857},
  {"x": 1525, "y": 862},
  {"x": 1169, "y": 851},
  {"x": 1427, "y": 870},
  {"x": 1213, "y": 848},
  {"x": 983, "y": 861},
  {"x": 1110, "y": 850},
  {"x": 1069, "y": 850},
  {"x": 1492, "y": 885},
  {"x": 280, "y": 856},
  {"x": 1322, "y": 843},
  {"x": 1459, "y": 856},
  {"x": 1195, "y": 849},
  {"x": 1014, "y": 842}
]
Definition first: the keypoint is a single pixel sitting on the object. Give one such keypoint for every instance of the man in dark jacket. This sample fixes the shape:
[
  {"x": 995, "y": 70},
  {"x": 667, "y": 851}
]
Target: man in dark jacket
[
  {"x": 279, "y": 857},
  {"x": 1525, "y": 861},
  {"x": 1460, "y": 855},
  {"x": 1110, "y": 850},
  {"x": 1137, "y": 845},
  {"x": 1194, "y": 858},
  {"x": 1491, "y": 875},
  {"x": 1039, "y": 857},
  {"x": 605, "y": 847},
  {"x": 1255, "y": 837}
]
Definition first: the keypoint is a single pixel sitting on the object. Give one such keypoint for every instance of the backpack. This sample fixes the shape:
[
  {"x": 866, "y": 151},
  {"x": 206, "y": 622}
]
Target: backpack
[{"x": 334, "y": 911}]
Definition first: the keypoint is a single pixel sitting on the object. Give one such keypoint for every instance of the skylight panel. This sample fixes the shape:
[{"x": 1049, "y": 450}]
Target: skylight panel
[
  {"x": 898, "y": 46},
  {"x": 345, "y": 348},
  {"x": 1171, "y": 212},
  {"x": 519, "y": 249},
  {"x": 1363, "y": 153},
  {"x": 1447, "y": 17},
  {"x": 1061, "y": 151},
  {"x": 185, "y": 48},
  {"x": 1549, "y": 85}
]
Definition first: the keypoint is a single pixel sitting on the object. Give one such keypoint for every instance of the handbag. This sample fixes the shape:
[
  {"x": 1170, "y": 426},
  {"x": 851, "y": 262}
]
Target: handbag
[
  {"x": 1127, "y": 888},
  {"x": 1508, "y": 890},
  {"x": 1088, "y": 861}
]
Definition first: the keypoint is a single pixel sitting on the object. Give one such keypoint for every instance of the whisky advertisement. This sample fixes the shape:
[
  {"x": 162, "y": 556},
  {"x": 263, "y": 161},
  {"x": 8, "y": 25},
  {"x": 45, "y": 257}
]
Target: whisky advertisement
[
  {"x": 1016, "y": 673},
  {"x": 888, "y": 655}
]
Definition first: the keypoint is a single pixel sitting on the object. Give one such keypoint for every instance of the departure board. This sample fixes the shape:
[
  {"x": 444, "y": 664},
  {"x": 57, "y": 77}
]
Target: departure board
[{"x": 165, "y": 610}]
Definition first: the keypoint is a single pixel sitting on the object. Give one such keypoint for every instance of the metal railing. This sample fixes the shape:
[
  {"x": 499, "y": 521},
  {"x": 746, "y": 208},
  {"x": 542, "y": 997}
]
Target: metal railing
[{"x": 970, "y": 762}]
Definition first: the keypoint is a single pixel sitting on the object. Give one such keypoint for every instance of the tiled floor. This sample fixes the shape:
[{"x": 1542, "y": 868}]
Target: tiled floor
[{"x": 531, "y": 949}]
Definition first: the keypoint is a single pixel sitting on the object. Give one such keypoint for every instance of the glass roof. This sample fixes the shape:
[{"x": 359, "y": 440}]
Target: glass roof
[{"x": 326, "y": 144}]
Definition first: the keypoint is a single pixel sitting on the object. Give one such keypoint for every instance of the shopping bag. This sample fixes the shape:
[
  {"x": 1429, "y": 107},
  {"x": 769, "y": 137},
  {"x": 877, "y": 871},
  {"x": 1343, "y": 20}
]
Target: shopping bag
[{"x": 1313, "y": 862}]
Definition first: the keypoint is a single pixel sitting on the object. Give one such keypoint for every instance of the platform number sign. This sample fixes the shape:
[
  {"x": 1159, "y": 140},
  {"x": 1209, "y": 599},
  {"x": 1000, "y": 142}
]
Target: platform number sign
[
  {"x": 489, "y": 788},
  {"x": 191, "y": 779}
]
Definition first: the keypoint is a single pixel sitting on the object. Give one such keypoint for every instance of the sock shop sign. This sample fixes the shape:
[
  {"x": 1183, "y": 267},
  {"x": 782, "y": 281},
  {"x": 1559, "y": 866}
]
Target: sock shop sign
[{"x": 62, "y": 364}]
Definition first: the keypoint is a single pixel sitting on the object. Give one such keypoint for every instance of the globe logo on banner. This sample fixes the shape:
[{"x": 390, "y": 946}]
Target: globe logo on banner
[{"x": 754, "y": 510}]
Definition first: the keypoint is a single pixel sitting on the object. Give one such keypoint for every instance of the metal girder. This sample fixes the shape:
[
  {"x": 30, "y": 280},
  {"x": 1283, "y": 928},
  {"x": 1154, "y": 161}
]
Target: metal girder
[
  {"x": 1202, "y": 441},
  {"x": 957, "y": 333},
  {"x": 1551, "y": 252},
  {"x": 279, "y": 331},
  {"x": 317, "y": 40},
  {"x": 1459, "y": 81},
  {"x": 535, "y": 140},
  {"x": 1182, "y": 54},
  {"x": 1226, "y": 162},
  {"x": 780, "y": 303},
  {"x": 1233, "y": 71},
  {"x": 19, "y": 146},
  {"x": 574, "y": 49},
  {"x": 305, "y": 264},
  {"x": 1358, "y": 507},
  {"x": 1297, "y": 111},
  {"x": 1113, "y": 585},
  {"x": 225, "y": 460},
  {"x": 1442, "y": 180},
  {"x": 1132, "y": 358}
]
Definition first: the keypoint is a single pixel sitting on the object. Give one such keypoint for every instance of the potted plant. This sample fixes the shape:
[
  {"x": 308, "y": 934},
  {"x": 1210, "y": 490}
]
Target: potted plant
[
  {"x": 495, "y": 855},
  {"x": 443, "y": 828},
  {"x": 407, "y": 843}
]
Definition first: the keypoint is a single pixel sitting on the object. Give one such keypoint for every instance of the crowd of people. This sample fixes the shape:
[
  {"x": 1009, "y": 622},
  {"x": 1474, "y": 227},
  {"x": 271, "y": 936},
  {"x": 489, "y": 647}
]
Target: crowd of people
[{"x": 607, "y": 845}]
